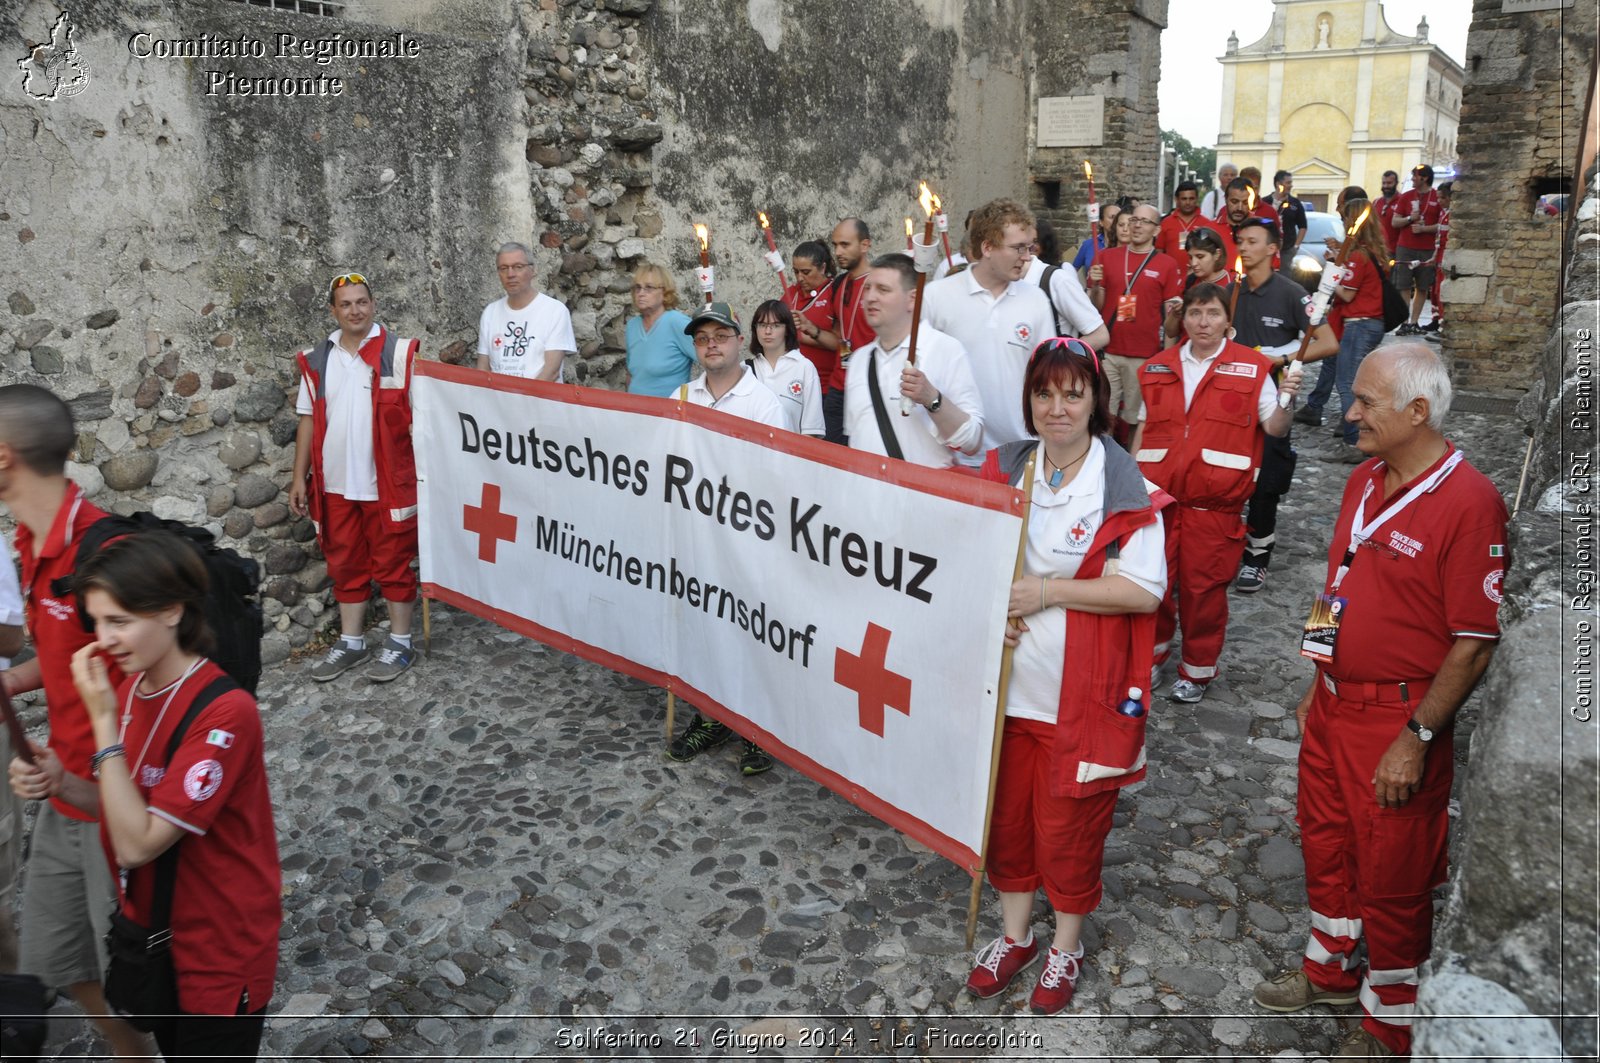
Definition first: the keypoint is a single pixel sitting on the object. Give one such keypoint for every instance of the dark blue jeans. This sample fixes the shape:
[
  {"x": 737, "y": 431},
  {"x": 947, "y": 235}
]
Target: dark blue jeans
[{"x": 1358, "y": 341}]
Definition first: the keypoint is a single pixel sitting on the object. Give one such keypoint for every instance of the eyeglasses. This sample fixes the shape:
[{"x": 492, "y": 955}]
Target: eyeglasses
[
  {"x": 515, "y": 267},
  {"x": 1134, "y": 219},
  {"x": 706, "y": 339},
  {"x": 647, "y": 287},
  {"x": 347, "y": 278},
  {"x": 1022, "y": 249},
  {"x": 1068, "y": 344}
]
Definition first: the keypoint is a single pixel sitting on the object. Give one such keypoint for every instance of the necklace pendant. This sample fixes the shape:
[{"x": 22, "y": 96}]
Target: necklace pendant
[{"x": 1055, "y": 478}]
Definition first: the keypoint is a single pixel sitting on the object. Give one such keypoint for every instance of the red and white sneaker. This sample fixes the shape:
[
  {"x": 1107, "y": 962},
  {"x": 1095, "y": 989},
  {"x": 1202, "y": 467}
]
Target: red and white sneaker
[
  {"x": 998, "y": 963},
  {"x": 1056, "y": 981}
]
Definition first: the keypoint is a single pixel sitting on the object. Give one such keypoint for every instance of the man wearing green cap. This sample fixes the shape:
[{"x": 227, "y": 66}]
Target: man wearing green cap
[{"x": 727, "y": 385}]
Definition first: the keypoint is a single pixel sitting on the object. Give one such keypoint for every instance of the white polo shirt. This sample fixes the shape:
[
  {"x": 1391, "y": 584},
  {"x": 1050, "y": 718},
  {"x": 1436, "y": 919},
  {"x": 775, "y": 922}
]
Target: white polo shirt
[
  {"x": 1061, "y": 526},
  {"x": 998, "y": 333},
  {"x": 10, "y": 592},
  {"x": 1194, "y": 370},
  {"x": 747, "y": 399},
  {"x": 515, "y": 341},
  {"x": 944, "y": 362},
  {"x": 348, "y": 466},
  {"x": 793, "y": 382},
  {"x": 1078, "y": 315}
]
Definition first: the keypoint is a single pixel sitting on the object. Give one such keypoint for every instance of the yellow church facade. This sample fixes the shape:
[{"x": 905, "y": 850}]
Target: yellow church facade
[{"x": 1335, "y": 96}]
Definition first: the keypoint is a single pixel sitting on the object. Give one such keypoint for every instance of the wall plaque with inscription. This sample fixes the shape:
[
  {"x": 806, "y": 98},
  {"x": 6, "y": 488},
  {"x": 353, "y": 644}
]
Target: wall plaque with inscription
[
  {"x": 1517, "y": 7},
  {"x": 1072, "y": 121}
]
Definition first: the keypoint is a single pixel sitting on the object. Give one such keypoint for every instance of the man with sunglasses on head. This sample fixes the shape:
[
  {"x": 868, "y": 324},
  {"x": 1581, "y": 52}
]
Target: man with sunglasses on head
[
  {"x": 526, "y": 333},
  {"x": 355, "y": 475},
  {"x": 996, "y": 316}
]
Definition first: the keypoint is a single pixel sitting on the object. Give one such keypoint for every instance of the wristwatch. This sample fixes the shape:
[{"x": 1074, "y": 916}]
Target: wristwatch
[
  {"x": 1423, "y": 734},
  {"x": 938, "y": 400}
]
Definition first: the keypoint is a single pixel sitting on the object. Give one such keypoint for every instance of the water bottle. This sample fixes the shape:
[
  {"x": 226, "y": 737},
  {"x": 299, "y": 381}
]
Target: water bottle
[{"x": 1134, "y": 706}]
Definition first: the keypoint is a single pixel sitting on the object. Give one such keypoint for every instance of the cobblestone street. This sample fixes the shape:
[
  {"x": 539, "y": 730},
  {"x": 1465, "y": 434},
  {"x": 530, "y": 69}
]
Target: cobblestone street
[{"x": 498, "y": 836}]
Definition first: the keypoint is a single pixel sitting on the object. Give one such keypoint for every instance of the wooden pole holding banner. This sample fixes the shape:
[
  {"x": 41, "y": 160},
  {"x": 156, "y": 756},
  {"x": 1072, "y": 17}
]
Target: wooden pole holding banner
[
  {"x": 672, "y": 709},
  {"x": 1000, "y": 706},
  {"x": 427, "y": 626}
]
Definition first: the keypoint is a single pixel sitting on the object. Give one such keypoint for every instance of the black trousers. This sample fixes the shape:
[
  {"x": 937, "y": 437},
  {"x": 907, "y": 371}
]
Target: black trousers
[
  {"x": 212, "y": 1036},
  {"x": 833, "y": 417},
  {"x": 1261, "y": 518}
]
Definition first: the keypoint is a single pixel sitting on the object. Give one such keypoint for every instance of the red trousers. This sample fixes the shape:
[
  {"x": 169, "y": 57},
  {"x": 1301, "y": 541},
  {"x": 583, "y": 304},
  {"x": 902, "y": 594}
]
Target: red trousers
[
  {"x": 1370, "y": 871},
  {"x": 1039, "y": 840},
  {"x": 1204, "y": 547},
  {"x": 362, "y": 549}
]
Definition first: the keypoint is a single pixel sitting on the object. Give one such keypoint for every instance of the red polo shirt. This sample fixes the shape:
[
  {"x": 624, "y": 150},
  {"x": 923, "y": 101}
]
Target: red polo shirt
[
  {"x": 1428, "y": 576},
  {"x": 848, "y": 322},
  {"x": 1173, "y": 236},
  {"x": 814, "y": 308},
  {"x": 1364, "y": 277},
  {"x": 1150, "y": 283},
  {"x": 1423, "y": 209},
  {"x": 1386, "y": 205},
  {"x": 57, "y": 634}
]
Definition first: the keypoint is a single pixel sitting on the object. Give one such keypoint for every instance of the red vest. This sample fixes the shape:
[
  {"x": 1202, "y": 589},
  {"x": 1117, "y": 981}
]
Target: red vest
[
  {"x": 390, "y": 361},
  {"x": 1208, "y": 456}
]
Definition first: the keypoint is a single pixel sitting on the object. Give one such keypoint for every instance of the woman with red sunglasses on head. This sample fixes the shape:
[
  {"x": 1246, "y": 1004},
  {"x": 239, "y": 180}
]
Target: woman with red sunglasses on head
[{"x": 1094, "y": 572}]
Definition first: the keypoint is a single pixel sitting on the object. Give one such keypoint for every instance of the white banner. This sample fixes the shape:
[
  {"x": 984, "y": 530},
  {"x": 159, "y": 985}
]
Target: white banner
[{"x": 842, "y": 610}]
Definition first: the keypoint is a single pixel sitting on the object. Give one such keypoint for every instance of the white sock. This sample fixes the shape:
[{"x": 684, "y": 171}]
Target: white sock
[
  {"x": 354, "y": 642},
  {"x": 1025, "y": 942},
  {"x": 404, "y": 640}
]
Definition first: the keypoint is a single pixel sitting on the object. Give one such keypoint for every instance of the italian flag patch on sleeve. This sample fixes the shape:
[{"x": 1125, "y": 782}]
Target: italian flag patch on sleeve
[{"x": 1497, "y": 550}]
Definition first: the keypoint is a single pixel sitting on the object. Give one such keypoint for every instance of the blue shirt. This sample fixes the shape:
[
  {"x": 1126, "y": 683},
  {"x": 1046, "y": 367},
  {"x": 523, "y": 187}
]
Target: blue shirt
[
  {"x": 660, "y": 360},
  {"x": 1086, "y": 251}
]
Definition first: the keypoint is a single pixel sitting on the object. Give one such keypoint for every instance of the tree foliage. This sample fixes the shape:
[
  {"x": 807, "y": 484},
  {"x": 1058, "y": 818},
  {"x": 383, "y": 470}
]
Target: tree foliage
[{"x": 1202, "y": 161}]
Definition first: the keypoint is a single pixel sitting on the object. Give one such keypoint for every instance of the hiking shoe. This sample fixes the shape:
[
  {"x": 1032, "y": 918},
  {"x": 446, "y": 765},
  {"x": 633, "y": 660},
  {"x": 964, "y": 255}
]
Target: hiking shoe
[
  {"x": 393, "y": 659},
  {"x": 998, "y": 963},
  {"x": 1408, "y": 330},
  {"x": 1361, "y": 1043},
  {"x": 340, "y": 659},
  {"x": 754, "y": 760},
  {"x": 1186, "y": 691},
  {"x": 1293, "y": 991},
  {"x": 1056, "y": 981},
  {"x": 1252, "y": 577},
  {"x": 701, "y": 735},
  {"x": 1308, "y": 415}
]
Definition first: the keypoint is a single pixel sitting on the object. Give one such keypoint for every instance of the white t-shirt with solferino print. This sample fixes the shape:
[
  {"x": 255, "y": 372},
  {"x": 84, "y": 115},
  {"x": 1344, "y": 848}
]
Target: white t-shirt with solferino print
[{"x": 515, "y": 341}]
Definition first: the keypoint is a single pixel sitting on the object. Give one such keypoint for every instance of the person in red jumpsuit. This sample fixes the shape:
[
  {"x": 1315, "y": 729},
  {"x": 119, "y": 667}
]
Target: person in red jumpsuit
[
  {"x": 1404, "y": 629},
  {"x": 1209, "y": 406}
]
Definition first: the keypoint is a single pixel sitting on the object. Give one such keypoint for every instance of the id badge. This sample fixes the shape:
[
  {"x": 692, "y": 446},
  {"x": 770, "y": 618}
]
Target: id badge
[
  {"x": 1183, "y": 241},
  {"x": 844, "y": 351},
  {"x": 1127, "y": 307},
  {"x": 1322, "y": 628}
]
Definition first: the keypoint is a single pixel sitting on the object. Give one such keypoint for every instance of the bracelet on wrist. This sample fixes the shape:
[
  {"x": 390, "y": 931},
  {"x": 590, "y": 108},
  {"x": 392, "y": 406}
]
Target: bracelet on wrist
[{"x": 103, "y": 755}]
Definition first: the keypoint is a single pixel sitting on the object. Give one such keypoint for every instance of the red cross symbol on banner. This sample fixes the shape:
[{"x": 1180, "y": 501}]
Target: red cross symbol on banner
[
  {"x": 869, "y": 676},
  {"x": 489, "y": 523}
]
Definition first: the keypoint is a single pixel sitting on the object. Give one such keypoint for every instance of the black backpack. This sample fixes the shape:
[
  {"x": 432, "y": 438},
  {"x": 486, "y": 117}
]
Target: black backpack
[
  {"x": 1396, "y": 311},
  {"x": 233, "y": 609}
]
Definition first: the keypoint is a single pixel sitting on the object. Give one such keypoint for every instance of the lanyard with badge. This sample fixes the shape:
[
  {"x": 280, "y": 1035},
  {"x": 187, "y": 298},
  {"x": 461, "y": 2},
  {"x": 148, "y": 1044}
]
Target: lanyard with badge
[
  {"x": 845, "y": 346},
  {"x": 1127, "y": 302},
  {"x": 1328, "y": 612}
]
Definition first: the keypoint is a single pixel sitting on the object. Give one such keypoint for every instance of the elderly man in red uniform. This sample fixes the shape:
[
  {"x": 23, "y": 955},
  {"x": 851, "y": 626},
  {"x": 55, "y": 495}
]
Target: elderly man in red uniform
[
  {"x": 1420, "y": 527},
  {"x": 66, "y": 909},
  {"x": 356, "y": 476},
  {"x": 1209, "y": 406}
]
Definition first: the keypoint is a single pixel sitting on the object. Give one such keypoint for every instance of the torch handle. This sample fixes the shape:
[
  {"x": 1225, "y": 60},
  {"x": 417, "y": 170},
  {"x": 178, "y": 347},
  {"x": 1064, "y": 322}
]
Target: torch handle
[
  {"x": 1294, "y": 367},
  {"x": 906, "y": 405}
]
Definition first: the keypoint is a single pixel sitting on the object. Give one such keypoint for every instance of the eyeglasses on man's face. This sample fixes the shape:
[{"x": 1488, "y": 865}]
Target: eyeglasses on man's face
[{"x": 706, "y": 339}]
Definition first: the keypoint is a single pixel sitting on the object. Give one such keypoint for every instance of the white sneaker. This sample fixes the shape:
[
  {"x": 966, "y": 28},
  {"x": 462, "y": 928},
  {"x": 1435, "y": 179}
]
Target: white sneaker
[{"x": 1186, "y": 691}]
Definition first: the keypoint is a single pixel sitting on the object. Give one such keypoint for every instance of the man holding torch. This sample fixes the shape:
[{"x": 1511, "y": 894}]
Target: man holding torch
[
  {"x": 852, "y": 251},
  {"x": 1273, "y": 314},
  {"x": 1137, "y": 287},
  {"x": 946, "y": 410}
]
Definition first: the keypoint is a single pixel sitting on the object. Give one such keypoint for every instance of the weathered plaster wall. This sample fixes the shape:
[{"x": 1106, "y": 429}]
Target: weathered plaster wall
[{"x": 167, "y": 250}]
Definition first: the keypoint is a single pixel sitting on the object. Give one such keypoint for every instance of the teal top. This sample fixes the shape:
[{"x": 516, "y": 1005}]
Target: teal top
[{"x": 661, "y": 359}]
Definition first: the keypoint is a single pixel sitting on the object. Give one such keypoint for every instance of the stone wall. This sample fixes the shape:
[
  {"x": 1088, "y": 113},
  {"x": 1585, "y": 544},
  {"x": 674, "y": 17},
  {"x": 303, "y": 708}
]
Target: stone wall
[
  {"x": 173, "y": 235},
  {"x": 1518, "y": 934},
  {"x": 1527, "y": 75},
  {"x": 1125, "y": 68}
]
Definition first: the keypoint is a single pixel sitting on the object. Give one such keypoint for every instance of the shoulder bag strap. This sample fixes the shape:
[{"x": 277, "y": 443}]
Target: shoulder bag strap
[
  {"x": 891, "y": 442},
  {"x": 1044, "y": 283},
  {"x": 167, "y": 862}
]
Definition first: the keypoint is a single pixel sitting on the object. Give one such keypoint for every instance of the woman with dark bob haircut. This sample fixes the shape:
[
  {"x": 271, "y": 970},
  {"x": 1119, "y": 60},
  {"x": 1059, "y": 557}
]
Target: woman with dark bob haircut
[
  {"x": 207, "y": 804},
  {"x": 1094, "y": 571}
]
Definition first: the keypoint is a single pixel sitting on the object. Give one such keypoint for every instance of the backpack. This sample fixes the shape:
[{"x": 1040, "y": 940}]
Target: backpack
[
  {"x": 1395, "y": 310},
  {"x": 232, "y": 609},
  {"x": 1044, "y": 283}
]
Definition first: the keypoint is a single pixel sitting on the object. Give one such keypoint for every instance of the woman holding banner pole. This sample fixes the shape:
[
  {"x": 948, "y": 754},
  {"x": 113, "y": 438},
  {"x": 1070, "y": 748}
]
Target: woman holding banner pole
[{"x": 1094, "y": 572}]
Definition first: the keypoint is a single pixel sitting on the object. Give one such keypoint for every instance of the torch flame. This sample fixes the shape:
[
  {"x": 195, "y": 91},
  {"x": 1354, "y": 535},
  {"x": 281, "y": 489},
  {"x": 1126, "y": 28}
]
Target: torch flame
[
  {"x": 701, "y": 232},
  {"x": 1238, "y": 265},
  {"x": 1252, "y": 191},
  {"x": 908, "y": 226},
  {"x": 763, "y": 216},
  {"x": 1088, "y": 171},
  {"x": 926, "y": 197},
  {"x": 1361, "y": 220}
]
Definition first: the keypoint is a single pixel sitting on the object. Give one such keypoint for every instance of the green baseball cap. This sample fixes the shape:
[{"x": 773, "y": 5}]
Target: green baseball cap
[{"x": 717, "y": 314}]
